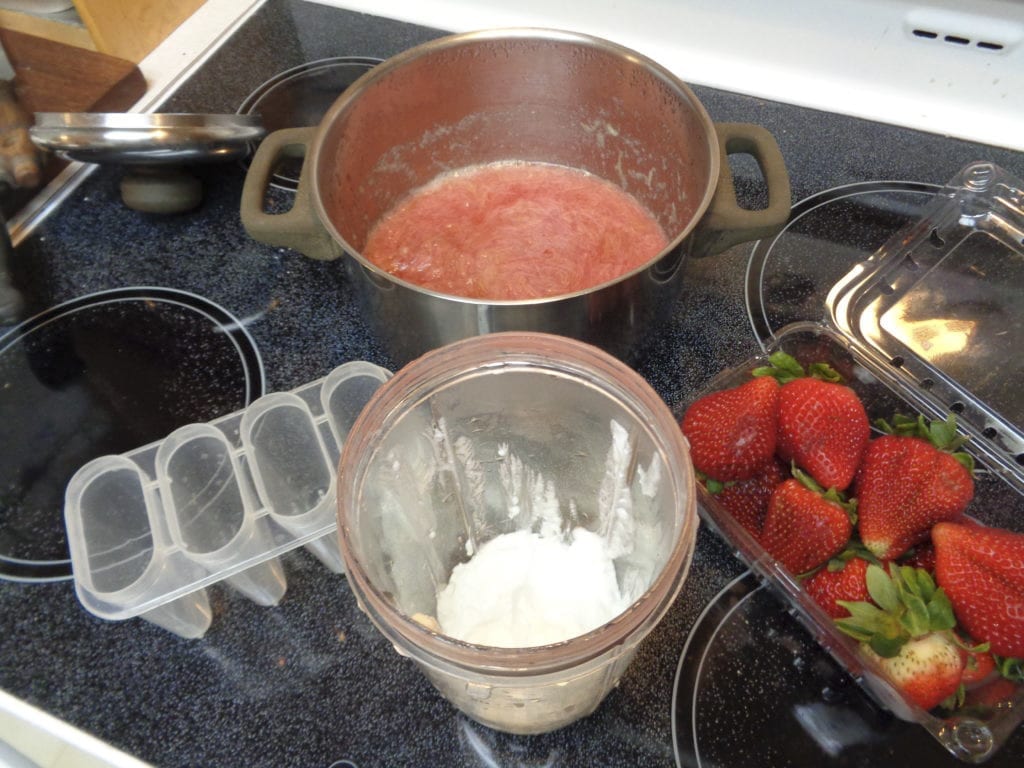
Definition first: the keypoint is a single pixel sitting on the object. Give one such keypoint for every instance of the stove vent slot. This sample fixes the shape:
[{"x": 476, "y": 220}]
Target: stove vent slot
[
  {"x": 958, "y": 40},
  {"x": 964, "y": 30}
]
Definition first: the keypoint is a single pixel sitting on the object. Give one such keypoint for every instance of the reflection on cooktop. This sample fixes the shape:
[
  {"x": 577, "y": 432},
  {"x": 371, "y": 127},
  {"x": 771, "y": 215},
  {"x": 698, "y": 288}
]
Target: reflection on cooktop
[
  {"x": 102, "y": 374},
  {"x": 789, "y": 276},
  {"x": 753, "y": 688},
  {"x": 298, "y": 98}
]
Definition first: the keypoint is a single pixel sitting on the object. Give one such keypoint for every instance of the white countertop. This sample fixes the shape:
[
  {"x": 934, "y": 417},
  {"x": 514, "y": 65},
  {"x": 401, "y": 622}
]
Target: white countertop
[{"x": 855, "y": 57}]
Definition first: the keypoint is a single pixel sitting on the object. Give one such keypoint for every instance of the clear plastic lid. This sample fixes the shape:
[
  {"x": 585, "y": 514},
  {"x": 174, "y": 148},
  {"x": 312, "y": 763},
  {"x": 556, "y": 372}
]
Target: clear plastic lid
[
  {"x": 940, "y": 309},
  {"x": 929, "y": 323}
]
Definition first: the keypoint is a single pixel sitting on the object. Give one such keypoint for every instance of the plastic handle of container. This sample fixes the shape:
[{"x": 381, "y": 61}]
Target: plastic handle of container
[
  {"x": 727, "y": 224},
  {"x": 297, "y": 228}
]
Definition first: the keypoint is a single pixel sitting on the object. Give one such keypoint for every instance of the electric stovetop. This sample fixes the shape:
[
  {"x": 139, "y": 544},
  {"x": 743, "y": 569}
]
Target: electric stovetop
[{"x": 134, "y": 324}]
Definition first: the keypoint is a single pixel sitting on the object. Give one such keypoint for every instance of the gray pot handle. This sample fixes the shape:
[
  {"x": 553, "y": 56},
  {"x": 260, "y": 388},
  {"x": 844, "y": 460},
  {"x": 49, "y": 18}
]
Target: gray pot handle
[
  {"x": 727, "y": 224},
  {"x": 298, "y": 228}
]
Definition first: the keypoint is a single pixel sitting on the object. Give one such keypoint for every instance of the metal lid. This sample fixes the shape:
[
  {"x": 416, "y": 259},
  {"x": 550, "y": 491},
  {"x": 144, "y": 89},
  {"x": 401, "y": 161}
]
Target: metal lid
[{"x": 149, "y": 139}]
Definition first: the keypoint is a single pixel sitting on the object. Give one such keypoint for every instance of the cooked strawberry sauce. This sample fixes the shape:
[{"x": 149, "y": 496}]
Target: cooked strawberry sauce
[{"x": 514, "y": 231}]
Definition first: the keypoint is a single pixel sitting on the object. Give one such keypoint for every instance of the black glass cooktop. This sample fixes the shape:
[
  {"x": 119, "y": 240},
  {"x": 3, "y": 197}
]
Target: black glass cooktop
[
  {"x": 310, "y": 682},
  {"x": 104, "y": 373},
  {"x": 789, "y": 276},
  {"x": 753, "y": 688}
]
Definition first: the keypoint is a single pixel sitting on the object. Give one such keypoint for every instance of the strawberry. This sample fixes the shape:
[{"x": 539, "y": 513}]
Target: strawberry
[
  {"x": 921, "y": 555},
  {"x": 982, "y": 571},
  {"x": 996, "y": 693},
  {"x": 804, "y": 527},
  {"x": 906, "y": 630},
  {"x": 747, "y": 500},
  {"x": 839, "y": 580},
  {"x": 732, "y": 432},
  {"x": 909, "y": 481},
  {"x": 822, "y": 424},
  {"x": 927, "y": 669},
  {"x": 978, "y": 667}
]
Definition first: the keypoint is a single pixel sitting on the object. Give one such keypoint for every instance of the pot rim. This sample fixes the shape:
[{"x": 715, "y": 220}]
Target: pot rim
[{"x": 382, "y": 70}]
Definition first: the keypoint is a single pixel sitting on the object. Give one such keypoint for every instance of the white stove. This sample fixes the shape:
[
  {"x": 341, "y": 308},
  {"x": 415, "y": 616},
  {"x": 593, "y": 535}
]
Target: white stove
[{"x": 952, "y": 67}]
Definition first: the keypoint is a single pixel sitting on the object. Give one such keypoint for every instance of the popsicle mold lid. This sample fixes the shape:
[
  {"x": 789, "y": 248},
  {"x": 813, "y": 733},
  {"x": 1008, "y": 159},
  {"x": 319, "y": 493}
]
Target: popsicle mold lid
[{"x": 215, "y": 501}]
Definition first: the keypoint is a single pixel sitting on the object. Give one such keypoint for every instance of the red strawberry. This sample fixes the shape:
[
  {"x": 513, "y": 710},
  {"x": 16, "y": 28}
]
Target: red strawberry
[
  {"x": 907, "y": 483},
  {"x": 922, "y": 555},
  {"x": 824, "y": 428},
  {"x": 997, "y": 693},
  {"x": 822, "y": 425},
  {"x": 803, "y": 527},
  {"x": 978, "y": 667},
  {"x": 747, "y": 500},
  {"x": 927, "y": 669},
  {"x": 982, "y": 571},
  {"x": 839, "y": 580},
  {"x": 732, "y": 432},
  {"x": 906, "y": 630}
]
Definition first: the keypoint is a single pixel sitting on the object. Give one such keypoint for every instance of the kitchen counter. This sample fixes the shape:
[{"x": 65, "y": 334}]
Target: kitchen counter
[{"x": 311, "y": 682}]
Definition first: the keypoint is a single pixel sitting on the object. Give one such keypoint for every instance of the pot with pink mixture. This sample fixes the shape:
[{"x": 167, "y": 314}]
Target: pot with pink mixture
[{"x": 632, "y": 137}]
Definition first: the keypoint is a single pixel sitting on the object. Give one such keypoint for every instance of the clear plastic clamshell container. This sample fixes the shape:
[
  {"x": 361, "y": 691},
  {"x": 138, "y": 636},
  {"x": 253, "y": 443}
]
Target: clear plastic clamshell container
[
  {"x": 150, "y": 529},
  {"x": 931, "y": 323}
]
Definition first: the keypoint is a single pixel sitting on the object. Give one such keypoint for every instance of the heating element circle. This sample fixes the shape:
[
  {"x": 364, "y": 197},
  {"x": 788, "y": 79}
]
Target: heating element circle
[{"x": 102, "y": 374}]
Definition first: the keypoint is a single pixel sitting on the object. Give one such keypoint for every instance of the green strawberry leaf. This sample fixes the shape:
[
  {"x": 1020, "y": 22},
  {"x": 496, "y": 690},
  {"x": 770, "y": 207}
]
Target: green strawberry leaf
[
  {"x": 882, "y": 589},
  {"x": 887, "y": 646},
  {"x": 966, "y": 460},
  {"x": 915, "y": 581},
  {"x": 782, "y": 366},
  {"x": 1010, "y": 668},
  {"x": 836, "y": 497},
  {"x": 836, "y": 564},
  {"x": 865, "y": 620},
  {"x": 942, "y": 433},
  {"x": 714, "y": 486},
  {"x": 956, "y": 699},
  {"x": 825, "y": 372},
  {"x": 906, "y": 604},
  {"x": 883, "y": 426},
  {"x": 916, "y": 619},
  {"x": 940, "y": 612},
  {"x": 806, "y": 480},
  {"x": 907, "y": 426},
  {"x": 855, "y": 547},
  {"x": 870, "y": 624}
]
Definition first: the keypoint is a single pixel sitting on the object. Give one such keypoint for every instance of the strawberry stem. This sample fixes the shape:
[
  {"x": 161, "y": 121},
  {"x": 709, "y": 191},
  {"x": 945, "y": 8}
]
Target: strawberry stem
[
  {"x": 1011, "y": 669},
  {"x": 940, "y": 433},
  {"x": 906, "y": 604},
  {"x": 785, "y": 368},
  {"x": 836, "y": 497}
]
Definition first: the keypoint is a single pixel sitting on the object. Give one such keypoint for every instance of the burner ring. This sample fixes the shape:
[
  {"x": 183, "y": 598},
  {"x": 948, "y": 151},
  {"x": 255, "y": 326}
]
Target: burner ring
[
  {"x": 102, "y": 374},
  {"x": 753, "y": 688},
  {"x": 299, "y": 98},
  {"x": 789, "y": 276}
]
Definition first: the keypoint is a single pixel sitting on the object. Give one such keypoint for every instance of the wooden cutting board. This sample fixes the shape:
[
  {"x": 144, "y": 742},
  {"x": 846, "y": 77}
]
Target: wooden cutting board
[{"x": 53, "y": 77}]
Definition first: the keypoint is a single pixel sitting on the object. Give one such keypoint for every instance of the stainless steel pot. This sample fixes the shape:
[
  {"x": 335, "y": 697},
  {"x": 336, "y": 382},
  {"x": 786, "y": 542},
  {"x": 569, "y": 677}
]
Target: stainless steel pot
[{"x": 522, "y": 94}]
